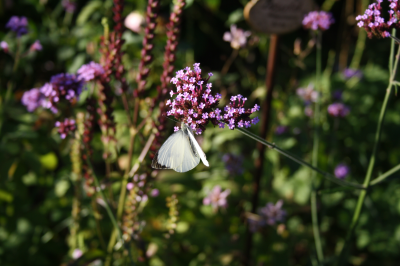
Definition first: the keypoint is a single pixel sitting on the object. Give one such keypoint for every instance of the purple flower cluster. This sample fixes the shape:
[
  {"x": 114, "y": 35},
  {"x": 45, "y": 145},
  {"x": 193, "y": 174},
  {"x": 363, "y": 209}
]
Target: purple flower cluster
[
  {"x": 318, "y": 20},
  {"x": 374, "y": 24},
  {"x": 68, "y": 6},
  {"x": 65, "y": 127},
  {"x": 19, "y": 25},
  {"x": 307, "y": 94},
  {"x": 217, "y": 198},
  {"x": 338, "y": 109},
  {"x": 269, "y": 215},
  {"x": 348, "y": 73},
  {"x": 280, "y": 130},
  {"x": 90, "y": 71},
  {"x": 32, "y": 99},
  {"x": 61, "y": 87},
  {"x": 233, "y": 163},
  {"x": 341, "y": 171},
  {"x": 196, "y": 106},
  {"x": 237, "y": 37}
]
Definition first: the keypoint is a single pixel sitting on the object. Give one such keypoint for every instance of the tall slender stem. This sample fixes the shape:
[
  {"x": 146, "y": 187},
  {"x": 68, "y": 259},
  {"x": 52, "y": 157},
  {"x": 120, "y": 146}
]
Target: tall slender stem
[
  {"x": 314, "y": 211},
  {"x": 372, "y": 160}
]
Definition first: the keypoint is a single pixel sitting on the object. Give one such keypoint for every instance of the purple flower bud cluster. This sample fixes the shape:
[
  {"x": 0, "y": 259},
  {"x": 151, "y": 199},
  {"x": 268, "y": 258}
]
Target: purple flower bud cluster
[
  {"x": 374, "y": 24},
  {"x": 217, "y": 198},
  {"x": 62, "y": 87},
  {"x": 237, "y": 37},
  {"x": 65, "y": 127},
  {"x": 318, "y": 20},
  {"x": 269, "y": 215},
  {"x": 196, "y": 106},
  {"x": 338, "y": 109},
  {"x": 90, "y": 72},
  {"x": 233, "y": 163},
  {"x": 341, "y": 171},
  {"x": 19, "y": 25}
]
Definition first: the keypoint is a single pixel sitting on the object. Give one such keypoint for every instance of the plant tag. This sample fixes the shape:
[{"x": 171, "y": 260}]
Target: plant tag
[{"x": 276, "y": 16}]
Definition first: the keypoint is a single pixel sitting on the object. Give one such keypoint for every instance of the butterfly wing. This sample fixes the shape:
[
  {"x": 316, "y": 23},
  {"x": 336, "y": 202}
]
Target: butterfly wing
[
  {"x": 198, "y": 149},
  {"x": 176, "y": 154}
]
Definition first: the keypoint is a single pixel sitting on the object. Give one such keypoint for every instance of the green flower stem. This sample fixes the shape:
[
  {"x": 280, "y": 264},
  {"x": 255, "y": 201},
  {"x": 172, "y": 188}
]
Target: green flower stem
[
  {"x": 122, "y": 195},
  {"x": 371, "y": 165},
  {"x": 294, "y": 158},
  {"x": 360, "y": 45},
  {"x": 382, "y": 177},
  {"x": 98, "y": 189},
  {"x": 317, "y": 122}
]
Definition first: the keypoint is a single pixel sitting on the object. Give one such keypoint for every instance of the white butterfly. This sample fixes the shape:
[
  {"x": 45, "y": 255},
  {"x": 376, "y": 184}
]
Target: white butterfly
[{"x": 180, "y": 152}]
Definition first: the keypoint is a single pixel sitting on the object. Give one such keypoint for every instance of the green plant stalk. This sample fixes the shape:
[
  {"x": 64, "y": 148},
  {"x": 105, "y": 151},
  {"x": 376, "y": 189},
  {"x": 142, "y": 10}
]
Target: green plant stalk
[
  {"x": 314, "y": 211},
  {"x": 122, "y": 195},
  {"x": 382, "y": 177},
  {"x": 360, "y": 45},
  {"x": 371, "y": 165},
  {"x": 108, "y": 209},
  {"x": 294, "y": 158}
]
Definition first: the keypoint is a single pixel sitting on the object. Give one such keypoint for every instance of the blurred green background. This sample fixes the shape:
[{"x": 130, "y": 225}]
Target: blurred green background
[{"x": 37, "y": 184}]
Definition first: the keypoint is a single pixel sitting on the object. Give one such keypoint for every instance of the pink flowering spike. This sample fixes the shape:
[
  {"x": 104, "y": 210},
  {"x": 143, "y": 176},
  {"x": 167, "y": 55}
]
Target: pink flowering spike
[{"x": 176, "y": 129}]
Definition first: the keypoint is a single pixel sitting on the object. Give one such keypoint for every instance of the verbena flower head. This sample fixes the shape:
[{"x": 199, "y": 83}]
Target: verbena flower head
[
  {"x": 237, "y": 37},
  {"x": 32, "y": 99},
  {"x": 318, "y": 20},
  {"x": 233, "y": 163},
  {"x": 348, "y": 73},
  {"x": 307, "y": 94},
  {"x": 374, "y": 24},
  {"x": 90, "y": 71},
  {"x": 19, "y": 25},
  {"x": 65, "y": 127},
  {"x": 338, "y": 109},
  {"x": 217, "y": 198},
  {"x": 4, "y": 46},
  {"x": 196, "y": 106},
  {"x": 273, "y": 213},
  {"x": 62, "y": 87},
  {"x": 36, "y": 46},
  {"x": 341, "y": 171}
]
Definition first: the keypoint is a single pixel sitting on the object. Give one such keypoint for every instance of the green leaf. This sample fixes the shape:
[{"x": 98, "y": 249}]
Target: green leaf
[
  {"x": 49, "y": 161},
  {"x": 5, "y": 196},
  {"x": 87, "y": 11}
]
